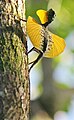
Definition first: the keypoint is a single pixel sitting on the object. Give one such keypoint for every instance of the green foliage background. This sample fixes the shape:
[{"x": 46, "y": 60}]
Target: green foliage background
[{"x": 63, "y": 25}]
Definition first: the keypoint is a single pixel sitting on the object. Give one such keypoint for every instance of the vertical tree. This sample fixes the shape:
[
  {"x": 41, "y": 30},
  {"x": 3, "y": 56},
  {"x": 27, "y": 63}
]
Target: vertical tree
[{"x": 14, "y": 80}]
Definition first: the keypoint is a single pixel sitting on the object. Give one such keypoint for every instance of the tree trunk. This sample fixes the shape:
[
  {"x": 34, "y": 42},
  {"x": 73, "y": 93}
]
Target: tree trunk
[{"x": 14, "y": 80}]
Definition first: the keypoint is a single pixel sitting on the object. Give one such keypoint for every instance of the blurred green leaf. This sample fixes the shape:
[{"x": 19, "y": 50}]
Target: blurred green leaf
[{"x": 62, "y": 86}]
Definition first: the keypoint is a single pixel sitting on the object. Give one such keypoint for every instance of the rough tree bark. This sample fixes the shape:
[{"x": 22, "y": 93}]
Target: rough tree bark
[{"x": 14, "y": 80}]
